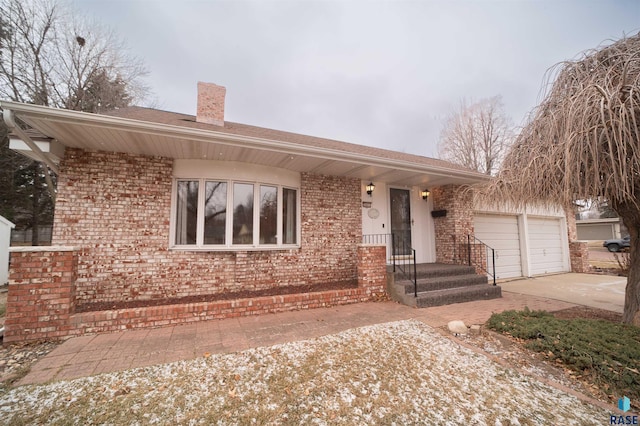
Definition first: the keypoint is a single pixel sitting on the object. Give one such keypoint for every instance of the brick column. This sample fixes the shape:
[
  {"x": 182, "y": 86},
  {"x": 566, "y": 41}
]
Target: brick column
[
  {"x": 41, "y": 293},
  {"x": 572, "y": 230},
  {"x": 372, "y": 268},
  {"x": 452, "y": 229},
  {"x": 578, "y": 250},
  {"x": 579, "y": 253}
]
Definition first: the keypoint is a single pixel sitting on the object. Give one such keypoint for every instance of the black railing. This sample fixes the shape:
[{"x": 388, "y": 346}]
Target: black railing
[
  {"x": 475, "y": 253},
  {"x": 404, "y": 259},
  {"x": 401, "y": 254}
]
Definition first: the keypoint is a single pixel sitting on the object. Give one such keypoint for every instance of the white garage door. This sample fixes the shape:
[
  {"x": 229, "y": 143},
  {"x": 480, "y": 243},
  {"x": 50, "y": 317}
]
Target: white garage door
[
  {"x": 501, "y": 233},
  {"x": 545, "y": 246}
]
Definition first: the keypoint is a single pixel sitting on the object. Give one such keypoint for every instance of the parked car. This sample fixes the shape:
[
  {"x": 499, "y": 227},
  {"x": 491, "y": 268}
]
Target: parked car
[{"x": 617, "y": 244}]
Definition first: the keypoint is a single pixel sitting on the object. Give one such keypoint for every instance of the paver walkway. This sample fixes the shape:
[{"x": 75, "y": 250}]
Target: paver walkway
[{"x": 95, "y": 354}]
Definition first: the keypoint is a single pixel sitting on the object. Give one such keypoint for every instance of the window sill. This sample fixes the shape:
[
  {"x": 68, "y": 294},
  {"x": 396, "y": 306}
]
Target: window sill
[{"x": 234, "y": 248}]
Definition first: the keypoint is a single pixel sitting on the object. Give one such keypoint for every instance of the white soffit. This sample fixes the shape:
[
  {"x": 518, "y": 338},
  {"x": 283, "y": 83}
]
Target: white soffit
[{"x": 105, "y": 133}]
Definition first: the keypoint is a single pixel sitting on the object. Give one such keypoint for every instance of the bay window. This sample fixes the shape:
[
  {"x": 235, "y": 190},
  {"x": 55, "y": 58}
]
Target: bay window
[
  {"x": 186, "y": 212},
  {"x": 219, "y": 214},
  {"x": 289, "y": 216},
  {"x": 269, "y": 214},
  {"x": 215, "y": 212}
]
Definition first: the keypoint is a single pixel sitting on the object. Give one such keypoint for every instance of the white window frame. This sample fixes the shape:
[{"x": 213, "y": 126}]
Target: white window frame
[{"x": 201, "y": 171}]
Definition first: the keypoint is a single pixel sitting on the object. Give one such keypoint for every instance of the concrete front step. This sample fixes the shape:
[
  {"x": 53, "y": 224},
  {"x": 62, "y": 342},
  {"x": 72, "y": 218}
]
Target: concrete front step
[
  {"x": 431, "y": 270},
  {"x": 444, "y": 282},
  {"x": 440, "y": 284},
  {"x": 457, "y": 295}
]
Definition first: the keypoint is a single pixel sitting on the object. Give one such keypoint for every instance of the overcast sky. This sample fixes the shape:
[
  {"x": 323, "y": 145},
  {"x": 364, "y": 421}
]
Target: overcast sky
[{"x": 379, "y": 73}]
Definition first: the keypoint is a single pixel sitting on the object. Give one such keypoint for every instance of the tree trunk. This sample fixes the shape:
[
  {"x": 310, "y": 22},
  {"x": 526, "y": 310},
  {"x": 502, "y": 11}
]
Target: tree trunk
[{"x": 630, "y": 215}]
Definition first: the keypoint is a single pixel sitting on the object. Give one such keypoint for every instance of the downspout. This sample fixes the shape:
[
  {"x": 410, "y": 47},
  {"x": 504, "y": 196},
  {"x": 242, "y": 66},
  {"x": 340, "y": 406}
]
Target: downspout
[{"x": 9, "y": 120}]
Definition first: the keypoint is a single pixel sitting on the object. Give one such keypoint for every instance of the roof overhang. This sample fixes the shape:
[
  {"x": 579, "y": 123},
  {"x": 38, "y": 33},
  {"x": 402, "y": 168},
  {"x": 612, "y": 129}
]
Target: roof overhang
[
  {"x": 51, "y": 148},
  {"x": 94, "y": 132}
]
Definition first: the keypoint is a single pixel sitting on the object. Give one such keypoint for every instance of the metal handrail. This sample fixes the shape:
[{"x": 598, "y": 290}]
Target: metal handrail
[
  {"x": 473, "y": 243},
  {"x": 408, "y": 267}
]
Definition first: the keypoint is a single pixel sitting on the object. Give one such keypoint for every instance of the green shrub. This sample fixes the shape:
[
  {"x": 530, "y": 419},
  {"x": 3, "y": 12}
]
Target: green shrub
[{"x": 607, "y": 352}]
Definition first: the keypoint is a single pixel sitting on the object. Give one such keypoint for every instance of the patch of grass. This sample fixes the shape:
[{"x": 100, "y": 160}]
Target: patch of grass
[
  {"x": 15, "y": 377},
  {"x": 608, "y": 353},
  {"x": 402, "y": 372}
]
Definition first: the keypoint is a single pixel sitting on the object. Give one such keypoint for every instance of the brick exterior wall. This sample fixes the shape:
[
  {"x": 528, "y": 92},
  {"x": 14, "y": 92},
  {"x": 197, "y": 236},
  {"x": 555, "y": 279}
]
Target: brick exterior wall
[
  {"x": 451, "y": 230},
  {"x": 41, "y": 294},
  {"x": 115, "y": 207}
]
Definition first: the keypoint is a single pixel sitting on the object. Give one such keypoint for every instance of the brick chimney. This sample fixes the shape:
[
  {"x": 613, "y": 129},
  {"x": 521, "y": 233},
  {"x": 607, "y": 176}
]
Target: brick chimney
[{"x": 210, "y": 104}]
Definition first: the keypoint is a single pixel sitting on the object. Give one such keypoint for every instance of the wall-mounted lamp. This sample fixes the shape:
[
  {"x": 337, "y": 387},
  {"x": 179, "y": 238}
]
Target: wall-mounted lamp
[
  {"x": 425, "y": 194},
  {"x": 370, "y": 188}
]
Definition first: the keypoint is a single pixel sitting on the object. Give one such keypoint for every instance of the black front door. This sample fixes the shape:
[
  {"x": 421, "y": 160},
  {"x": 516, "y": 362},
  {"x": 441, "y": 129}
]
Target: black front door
[{"x": 401, "y": 220}]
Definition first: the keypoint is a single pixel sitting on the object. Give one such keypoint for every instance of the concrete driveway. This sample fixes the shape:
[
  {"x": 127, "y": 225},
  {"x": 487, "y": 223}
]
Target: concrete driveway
[{"x": 598, "y": 291}]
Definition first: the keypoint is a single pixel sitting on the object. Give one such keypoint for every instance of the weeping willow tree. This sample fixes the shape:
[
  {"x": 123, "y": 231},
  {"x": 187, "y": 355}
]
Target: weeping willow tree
[{"x": 583, "y": 141}]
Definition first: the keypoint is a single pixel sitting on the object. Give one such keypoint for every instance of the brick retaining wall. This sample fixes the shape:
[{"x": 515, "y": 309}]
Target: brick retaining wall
[
  {"x": 41, "y": 298},
  {"x": 159, "y": 316},
  {"x": 41, "y": 295}
]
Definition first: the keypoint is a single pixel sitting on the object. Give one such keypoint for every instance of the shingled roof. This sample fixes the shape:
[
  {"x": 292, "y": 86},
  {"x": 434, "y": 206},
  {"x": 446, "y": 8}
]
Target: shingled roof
[{"x": 189, "y": 121}]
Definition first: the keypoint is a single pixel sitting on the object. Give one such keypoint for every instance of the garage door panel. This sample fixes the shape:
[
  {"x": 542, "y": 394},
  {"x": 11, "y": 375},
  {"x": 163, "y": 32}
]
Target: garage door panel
[
  {"x": 503, "y": 246},
  {"x": 546, "y": 249},
  {"x": 500, "y": 232}
]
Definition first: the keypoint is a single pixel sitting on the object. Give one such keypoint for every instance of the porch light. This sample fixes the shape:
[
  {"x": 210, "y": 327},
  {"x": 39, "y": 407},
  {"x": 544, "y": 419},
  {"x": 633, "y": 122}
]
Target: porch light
[
  {"x": 370, "y": 188},
  {"x": 425, "y": 194}
]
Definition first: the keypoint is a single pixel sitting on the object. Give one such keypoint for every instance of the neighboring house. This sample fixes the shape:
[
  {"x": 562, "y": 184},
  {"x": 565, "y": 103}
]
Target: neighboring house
[
  {"x": 5, "y": 241},
  {"x": 599, "y": 229},
  {"x": 220, "y": 219}
]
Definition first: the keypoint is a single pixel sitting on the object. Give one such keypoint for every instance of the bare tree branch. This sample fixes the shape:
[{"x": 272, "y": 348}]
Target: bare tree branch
[
  {"x": 50, "y": 55},
  {"x": 477, "y": 136}
]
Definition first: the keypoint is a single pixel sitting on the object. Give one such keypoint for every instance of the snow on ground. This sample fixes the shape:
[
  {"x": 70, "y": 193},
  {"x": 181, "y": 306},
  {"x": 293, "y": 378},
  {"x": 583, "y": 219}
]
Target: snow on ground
[{"x": 396, "y": 373}]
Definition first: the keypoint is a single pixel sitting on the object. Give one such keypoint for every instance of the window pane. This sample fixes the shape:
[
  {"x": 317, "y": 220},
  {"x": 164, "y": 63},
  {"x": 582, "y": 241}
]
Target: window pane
[
  {"x": 242, "y": 213},
  {"x": 215, "y": 212},
  {"x": 289, "y": 216},
  {"x": 268, "y": 214},
  {"x": 186, "y": 212}
]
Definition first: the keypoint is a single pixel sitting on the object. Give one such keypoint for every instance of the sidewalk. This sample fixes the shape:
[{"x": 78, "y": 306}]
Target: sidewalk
[{"x": 95, "y": 354}]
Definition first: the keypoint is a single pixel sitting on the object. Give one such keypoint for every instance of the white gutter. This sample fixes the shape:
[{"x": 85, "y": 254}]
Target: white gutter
[
  {"x": 208, "y": 136},
  {"x": 7, "y": 115}
]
